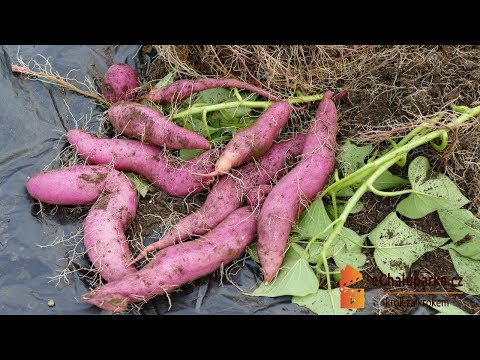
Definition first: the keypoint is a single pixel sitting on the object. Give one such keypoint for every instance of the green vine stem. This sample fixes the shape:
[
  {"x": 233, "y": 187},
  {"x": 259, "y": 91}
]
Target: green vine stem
[
  {"x": 443, "y": 144},
  {"x": 374, "y": 170},
  {"x": 247, "y": 104},
  {"x": 340, "y": 221},
  {"x": 414, "y": 142}
]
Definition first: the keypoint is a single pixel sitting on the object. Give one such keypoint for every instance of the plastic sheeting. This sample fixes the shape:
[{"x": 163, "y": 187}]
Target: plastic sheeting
[{"x": 34, "y": 118}]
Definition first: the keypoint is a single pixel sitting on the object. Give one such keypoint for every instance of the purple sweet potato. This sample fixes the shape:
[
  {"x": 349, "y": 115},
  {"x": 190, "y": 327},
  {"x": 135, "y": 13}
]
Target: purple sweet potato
[
  {"x": 146, "y": 124},
  {"x": 118, "y": 83},
  {"x": 297, "y": 189},
  {"x": 256, "y": 196},
  {"x": 75, "y": 185},
  {"x": 179, "y": 264},
  {"x": 254, "y": 141},
  {"x": 227, "y": 194},
  {"x": 175, "y": 178},
  {"x": 183, "y": 89},
  {"x": 105, "y": 225}
]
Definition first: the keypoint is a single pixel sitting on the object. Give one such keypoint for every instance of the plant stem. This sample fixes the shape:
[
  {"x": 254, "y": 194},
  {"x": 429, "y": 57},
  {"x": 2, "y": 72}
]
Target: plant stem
[
  {"x": 388, "y": 193},
  {"x": 348, "y": 208},
  {"x": 216, "y": 107},
  {"x": 237, "y": 94},
  {"x": 377, "y": 168},
  {"x": 248, "y": 104},
  {"x": 205, "y": 124},
  {"x": 413, "y": 142},
  {"x": 443, "y": 144}
]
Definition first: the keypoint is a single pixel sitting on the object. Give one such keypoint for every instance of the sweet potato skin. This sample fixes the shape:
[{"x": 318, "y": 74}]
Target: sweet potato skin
[
  {"x": 297, "y": 189},
  {"x": 254, "y": 141},
  {"x": 175, "y": 178},
  {"x": 228, "y": 194},
  {"x": 183, "y": 89},
  {"x": 255, "y": 197},
  {"x": 118, "y": 82},
  {"x": 180, "y": 264},
  {"x": 75, "y": 185},
  {"x": 105, "y": 225},
  {"x": 146, "y": 124}
]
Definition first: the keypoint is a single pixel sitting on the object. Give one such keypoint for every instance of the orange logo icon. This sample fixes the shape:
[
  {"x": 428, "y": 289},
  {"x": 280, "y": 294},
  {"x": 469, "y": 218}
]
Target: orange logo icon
[{"x": 351, "y": 298}]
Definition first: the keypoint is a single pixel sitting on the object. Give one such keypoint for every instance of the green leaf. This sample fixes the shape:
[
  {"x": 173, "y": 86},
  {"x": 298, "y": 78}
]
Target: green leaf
[
  {"x": 188, "y": 154},
  {"x": 352, "y": 157},
  {"x": 139, "y": 182},
  {"x": 432, "y": 191},
  {"x": 344, "y": 258},
  {"x": 398, "y": 246},
  {"x": 345, "y": 192},
  {"x": 323, "y": 302},
  {"x": 346, "y": 247},
  {"x": 469, "y": 270},
  {"x": 214, "y": 96},
  {"x": 166, "y": 80},
  {"x": 296, "y": 277},
  {"x": 313, "y": 219},
  {"x": 316, "y": 249},
  {"x": 464, "y": 229},
  {"x": 350, "y": 254},
  {"x": 196, "y": 125},
  {"x": 341, "y": 206},
  {"x": 388, "y": 181},
  {"x": 222, "y": 124},
  {"x": 252, "y": 251},
  {"x": 449, "y": 310}
]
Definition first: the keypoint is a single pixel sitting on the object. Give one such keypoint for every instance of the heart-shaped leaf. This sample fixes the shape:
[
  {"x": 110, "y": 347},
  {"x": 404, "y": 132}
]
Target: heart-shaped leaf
[
  {"x": 398, "y": 246},
  {"x": 431, "y": 192}
]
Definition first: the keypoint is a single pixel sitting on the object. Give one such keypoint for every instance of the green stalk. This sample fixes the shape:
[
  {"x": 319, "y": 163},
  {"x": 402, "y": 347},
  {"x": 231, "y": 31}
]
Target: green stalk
[
  {"x": 377, "y": 168},
  {"x": 414, "y": 141},
  {"x": 205, "y": 124},
  {"x": 348, "y": 208},
  {"x": 388, "y": 193},
  {"x": 248, "y": 104}
]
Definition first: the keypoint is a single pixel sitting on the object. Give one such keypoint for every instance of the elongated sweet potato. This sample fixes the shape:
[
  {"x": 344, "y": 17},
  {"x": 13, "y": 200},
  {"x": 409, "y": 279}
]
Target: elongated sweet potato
[
  {"x": 254, "y": 141},
  {"x": 175, "y": 178},
  {"x": 227, "y": 194},
  {"x": 182, "y": 89},
  {"x": 256, "y": 196},
  {"x": 146, "y": 124},
  {"x": 75, "y": 185},
  {"x": 297, "y": 189},
  {"x": 105, "y": 225},
  {"x": 179, "y": 264},
  {"x": 118, "y": 83}
]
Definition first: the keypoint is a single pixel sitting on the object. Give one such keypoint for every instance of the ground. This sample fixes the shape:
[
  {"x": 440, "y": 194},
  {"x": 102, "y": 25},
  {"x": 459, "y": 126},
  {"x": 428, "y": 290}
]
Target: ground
[{"x": 388, "y": 88}]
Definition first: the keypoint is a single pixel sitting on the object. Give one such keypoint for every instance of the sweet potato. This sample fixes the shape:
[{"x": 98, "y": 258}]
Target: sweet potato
[
  {"x": 297, "y": 189},
  {"x": 175, "y": 178},
  {"x": 254, "y": 141},
  {"x": 75, "y": 185},
  {"x": 118, "y": 83},
  {"x": 146, "y": 124},
  {"x": 227, "y": 194},
  {"x": 182, "y": 89},
  {"x": 255, "y": 197},
  {"x": 179, "y": 264},
  {"x": 105, "y": 225}
]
